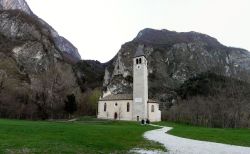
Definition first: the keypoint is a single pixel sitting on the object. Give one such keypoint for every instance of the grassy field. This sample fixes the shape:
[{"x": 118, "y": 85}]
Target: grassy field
[
  {"x": 228, "y": 136},
  {"x": 84, "y": 136}
]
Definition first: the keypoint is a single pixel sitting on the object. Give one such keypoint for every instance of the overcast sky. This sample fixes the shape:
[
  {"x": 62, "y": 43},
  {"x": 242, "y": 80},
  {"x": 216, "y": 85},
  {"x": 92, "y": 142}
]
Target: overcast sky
[{"x": 98, "y": 28}]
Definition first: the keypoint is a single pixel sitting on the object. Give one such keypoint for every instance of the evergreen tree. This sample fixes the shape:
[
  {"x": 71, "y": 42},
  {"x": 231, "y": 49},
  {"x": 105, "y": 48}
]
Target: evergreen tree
[{"x": 70, "y": 104}]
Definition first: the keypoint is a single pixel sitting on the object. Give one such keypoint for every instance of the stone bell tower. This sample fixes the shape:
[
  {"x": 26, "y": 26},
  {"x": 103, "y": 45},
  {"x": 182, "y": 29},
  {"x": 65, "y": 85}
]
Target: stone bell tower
[{"x": 140, "y": 85}]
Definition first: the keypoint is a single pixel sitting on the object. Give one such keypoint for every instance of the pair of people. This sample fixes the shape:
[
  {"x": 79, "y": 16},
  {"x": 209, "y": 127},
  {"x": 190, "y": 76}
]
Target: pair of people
[{"x": 143, "y": 122}]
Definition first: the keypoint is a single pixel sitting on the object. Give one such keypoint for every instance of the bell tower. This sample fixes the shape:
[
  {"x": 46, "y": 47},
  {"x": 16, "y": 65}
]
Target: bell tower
[{"x": 140, "y": 85}]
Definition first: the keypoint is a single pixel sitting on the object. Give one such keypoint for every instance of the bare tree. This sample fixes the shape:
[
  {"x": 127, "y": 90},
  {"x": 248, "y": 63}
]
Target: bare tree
[
  {"x": 3, "y": 77},
  {"x": 50, "y": 89},
  {"x": 229, "y": 107}
]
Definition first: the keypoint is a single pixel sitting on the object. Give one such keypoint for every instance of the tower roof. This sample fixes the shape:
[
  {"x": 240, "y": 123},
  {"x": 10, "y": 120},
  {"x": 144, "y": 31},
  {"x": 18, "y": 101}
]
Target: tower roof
[{"x": 139, "y": 51}]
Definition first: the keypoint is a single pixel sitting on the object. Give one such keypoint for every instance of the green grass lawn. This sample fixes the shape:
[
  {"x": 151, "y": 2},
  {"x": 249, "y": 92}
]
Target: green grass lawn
[
  {"x": 228, "y": 136},
  {"x": 83, "y": 136}
]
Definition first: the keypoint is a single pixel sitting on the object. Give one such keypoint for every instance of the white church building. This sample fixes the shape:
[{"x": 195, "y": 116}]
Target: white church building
[{"x": 136, "y": 106}]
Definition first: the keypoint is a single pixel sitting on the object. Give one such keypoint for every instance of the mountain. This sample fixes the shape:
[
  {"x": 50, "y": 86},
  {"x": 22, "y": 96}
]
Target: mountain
[
  {"x": 15, "y": 5},
  {"x": 173, "y": 58},
  {"x": 40, "y": 70},
  {"x": 36, "y": 65},
  {"x": 89, "y": 74},
  {"x": 69, "y": 51}
]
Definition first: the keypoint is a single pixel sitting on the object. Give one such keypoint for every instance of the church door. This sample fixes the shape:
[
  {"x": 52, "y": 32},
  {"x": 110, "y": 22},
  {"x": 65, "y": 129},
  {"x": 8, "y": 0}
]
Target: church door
[{"x": 115, "y": 116}]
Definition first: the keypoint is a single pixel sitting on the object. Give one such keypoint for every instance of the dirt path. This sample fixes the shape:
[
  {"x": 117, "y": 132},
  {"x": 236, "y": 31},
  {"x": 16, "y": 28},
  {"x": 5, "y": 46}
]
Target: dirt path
[{"x": 179, "y": 145}]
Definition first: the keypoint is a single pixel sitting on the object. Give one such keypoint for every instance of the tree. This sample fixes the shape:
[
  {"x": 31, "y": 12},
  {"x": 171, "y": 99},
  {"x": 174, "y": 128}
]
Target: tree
[
  {"x": 50, "y": 89},
  {"x": 93, "y": 100},
  {"x": 88, "y": 102},
  {"x": 213, "y": 101},
  {"x": 3, "y": 77},
  {"x": 70, "y": 104}
]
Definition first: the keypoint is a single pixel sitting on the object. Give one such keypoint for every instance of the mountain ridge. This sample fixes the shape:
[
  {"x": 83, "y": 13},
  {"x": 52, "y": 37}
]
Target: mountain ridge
[
  {"x": 35, "y": 75},
  {"x": 164, "y": 36},
  {"x": 174, "y": 57},
  {"x": 69, "y": 51},
  {"x": 15, "y": 5},
  {"x": 39, "y": 68}
]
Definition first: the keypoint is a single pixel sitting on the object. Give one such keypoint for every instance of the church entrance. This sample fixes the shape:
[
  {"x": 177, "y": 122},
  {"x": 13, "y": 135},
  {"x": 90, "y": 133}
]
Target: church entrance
[
  {"x": 138, "y": 118},
  {"x": 115, "y": 115}
]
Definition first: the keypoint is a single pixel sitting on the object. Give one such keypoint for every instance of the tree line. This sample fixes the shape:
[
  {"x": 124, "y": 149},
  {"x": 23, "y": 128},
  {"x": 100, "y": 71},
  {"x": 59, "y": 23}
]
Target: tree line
[
  {"x": 213, "y": 101},
  {"x": 52, "y": 94}
]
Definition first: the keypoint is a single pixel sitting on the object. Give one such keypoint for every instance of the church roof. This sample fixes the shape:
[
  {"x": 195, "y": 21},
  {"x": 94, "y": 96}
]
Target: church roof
[
  {"x": 117, "y": 97},
  {"x": 139, "y": 51},
  {"x": 152, "y": 101},
  {"x": 123, "y": 97}
]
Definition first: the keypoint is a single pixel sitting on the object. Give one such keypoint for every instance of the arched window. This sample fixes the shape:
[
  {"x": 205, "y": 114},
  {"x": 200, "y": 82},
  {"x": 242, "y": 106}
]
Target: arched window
[
  {"x": 152, "y": 108},
  {"x": 139, "y": 60},
  {"x": 128, "y": 107},
  {"x": 105, "y": 107}
]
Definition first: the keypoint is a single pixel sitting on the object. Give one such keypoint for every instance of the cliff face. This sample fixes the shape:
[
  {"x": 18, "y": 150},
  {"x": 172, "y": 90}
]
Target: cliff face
[
  {"x": 15, "y": 5},
  {"x": 172, "y": 59},
  {"x": 69, "y": 51},
  {"x": 36, "y": 73},
  {"x": 34, "y": 77}
]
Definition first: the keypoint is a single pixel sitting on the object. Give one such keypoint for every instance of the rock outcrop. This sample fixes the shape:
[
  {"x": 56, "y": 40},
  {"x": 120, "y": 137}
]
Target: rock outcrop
[
  {"x": 40, "y": 70},
  {"x": 35, "y": 75},
  {"x": 172, "y": 59},
  {"x": 69, "y": 51},
  {"x": 15, "y": 5},
  {"x": 89, "y": 74}
]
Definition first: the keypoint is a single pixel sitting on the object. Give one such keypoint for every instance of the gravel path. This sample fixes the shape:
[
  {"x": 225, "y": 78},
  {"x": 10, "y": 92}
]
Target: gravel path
[{"x": 179, "y": 145}]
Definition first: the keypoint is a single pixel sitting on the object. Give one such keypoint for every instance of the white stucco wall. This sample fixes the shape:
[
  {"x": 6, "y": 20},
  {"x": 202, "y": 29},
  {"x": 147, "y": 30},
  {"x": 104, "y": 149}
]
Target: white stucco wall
[
  {"x": 120, "y": 109},
  {"x": 140, "y": 88},
  {"x": 156, "y": 115}
]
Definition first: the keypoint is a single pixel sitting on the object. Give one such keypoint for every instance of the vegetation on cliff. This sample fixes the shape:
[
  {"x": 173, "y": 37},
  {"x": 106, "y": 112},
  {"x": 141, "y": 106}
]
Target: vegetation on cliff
[{"x": 212, "y": 100}]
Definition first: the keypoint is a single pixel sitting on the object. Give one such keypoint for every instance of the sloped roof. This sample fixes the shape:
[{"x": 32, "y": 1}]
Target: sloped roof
[
  {"x": 123, "y": 97},
  {"x": 139, "y": 51},
  {"x": 152, "y": 101},
  {"x": 117, "y": 97}
]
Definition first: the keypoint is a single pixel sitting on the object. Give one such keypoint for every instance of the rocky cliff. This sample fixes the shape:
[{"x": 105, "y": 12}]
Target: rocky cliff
[
  {"x": 36, "y": 72},
  {"x": 15, "y": 5},
  {"x": 34, "y": 76},
  {"x": 173, "y": 58},
  {"x": 69, "y": 51}
]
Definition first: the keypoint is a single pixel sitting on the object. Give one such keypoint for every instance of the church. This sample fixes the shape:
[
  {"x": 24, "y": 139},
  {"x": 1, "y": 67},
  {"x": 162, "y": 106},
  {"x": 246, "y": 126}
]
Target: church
[{"x": 136, "y": 106}]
